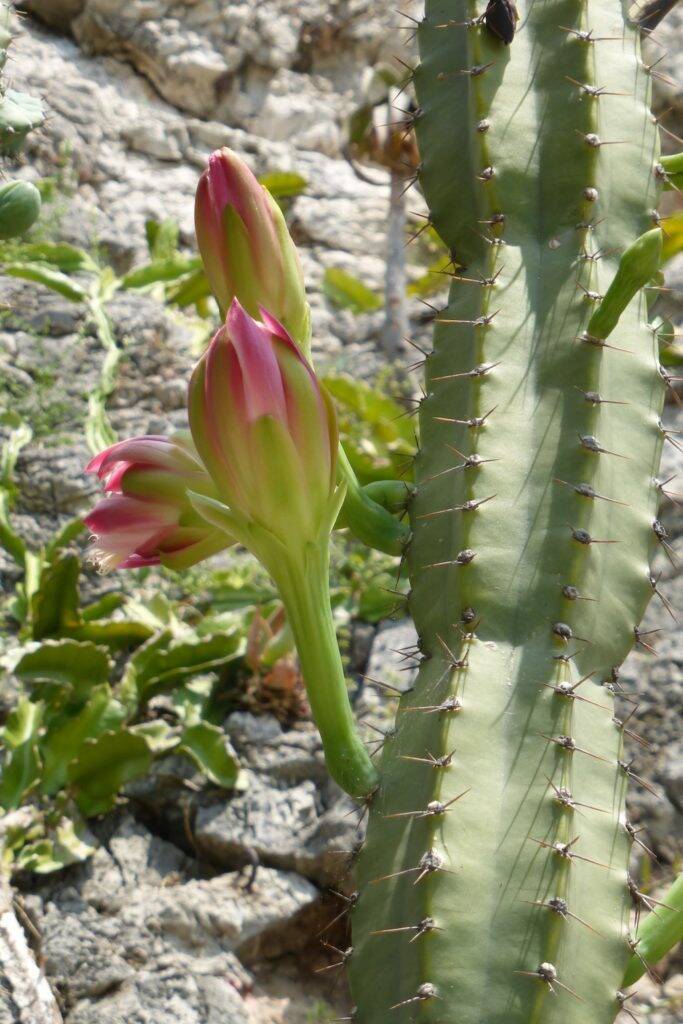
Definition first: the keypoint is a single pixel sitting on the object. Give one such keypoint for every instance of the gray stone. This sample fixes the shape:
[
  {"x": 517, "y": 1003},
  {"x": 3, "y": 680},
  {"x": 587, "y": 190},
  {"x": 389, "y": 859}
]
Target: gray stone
[
  {"x": 272, "y": 822},
  {"x": 131, "y": 936},
  {"x": 225, "y": 912},
  {"x": 672, "y": 774},
  {"x": 390, "y": 660}
]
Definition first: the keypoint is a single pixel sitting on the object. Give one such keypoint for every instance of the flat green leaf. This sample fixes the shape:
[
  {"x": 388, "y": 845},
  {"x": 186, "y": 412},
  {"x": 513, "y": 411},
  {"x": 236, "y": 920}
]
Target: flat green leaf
[
  {"x": 67, "y": 734},
  {"x": 193, "y": 290},
  {"x": 65, "y": 257},
  {"x": 169, "y": 269},
  {"x": 347, "y": 292},
  {"x": 377, "y": 437},
  {"x": 70, "y": 845},
  {"x": 103, "y": 606},
  {"x": 10, "y": 540},
  {"x": 19, "y": 436},
  {"x": 103, "y": 766},
  {"x": 45, "y": 275},
  {"x": 162, "y": 238},
  {"x": 21, "y": 769},
  {"x": 163, "y": 669},
  {"x": 208, "y": 747},
  {"x": 80, "y": 665},
  {"x": 378, "y": 601},
  {"x": 38, "y": 857},
  {"x": 158, "y": 735},
  {"x": 62, "y": 538},
  {"x": 117, "y": 636},
  {"x": 136, "y": 666},
  {"x": 191, "y": 699},
  {"x": 54, "y": 607},
  {"x": 284, "y": 184}
]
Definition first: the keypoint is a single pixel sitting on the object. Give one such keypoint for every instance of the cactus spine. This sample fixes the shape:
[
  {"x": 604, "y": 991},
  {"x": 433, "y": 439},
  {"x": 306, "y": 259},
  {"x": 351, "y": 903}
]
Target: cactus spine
[{"x": 493, "y": 888}]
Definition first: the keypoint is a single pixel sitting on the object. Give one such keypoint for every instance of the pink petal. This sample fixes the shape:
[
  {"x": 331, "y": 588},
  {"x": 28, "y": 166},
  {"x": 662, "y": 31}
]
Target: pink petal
[
  {"x": 139, "y": 561},
  {"x": 262, "y": 381},
  {"x": 118, "y": 513}
]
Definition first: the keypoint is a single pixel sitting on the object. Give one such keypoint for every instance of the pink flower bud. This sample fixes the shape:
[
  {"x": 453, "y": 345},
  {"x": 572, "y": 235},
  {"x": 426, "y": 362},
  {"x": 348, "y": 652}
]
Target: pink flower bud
[
  {"x": 245, "y": 245},
  {"x": 146, "y": 517},
  {"x": 265, "y": 428}
]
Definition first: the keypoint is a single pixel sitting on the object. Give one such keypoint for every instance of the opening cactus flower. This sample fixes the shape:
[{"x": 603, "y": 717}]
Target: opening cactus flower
[
  {"x": 249, "y": 254},
  {"x": 146, "y": 517},
  {"x": 267, "y": 432},
  {"x": 245, "y": 245},
  {"x": 265, "y": 429}
]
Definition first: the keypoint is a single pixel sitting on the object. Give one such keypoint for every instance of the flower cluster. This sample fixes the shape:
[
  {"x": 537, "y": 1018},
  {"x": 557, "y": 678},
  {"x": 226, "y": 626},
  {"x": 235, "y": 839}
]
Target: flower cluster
[
  {"x": 263, "y": 444},
  {"x": 259, "y": 466}
]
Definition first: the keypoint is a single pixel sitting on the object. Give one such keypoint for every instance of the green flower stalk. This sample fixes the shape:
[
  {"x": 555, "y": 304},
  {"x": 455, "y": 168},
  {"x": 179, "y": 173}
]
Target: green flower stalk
[
  {"x": 249, "y": 254},
  {"x": 266, "y": 431}
]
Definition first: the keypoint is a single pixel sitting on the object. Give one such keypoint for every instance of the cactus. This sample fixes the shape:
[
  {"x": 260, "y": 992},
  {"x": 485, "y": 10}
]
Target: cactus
[
  {"x": 19, "y": 115},
  {"x": 494, "y": 885}
]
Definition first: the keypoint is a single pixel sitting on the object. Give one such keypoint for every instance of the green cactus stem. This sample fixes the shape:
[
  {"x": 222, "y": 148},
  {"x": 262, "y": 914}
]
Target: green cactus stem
[
  {"x": 19, "y": 114},
  {"x": 19, "y": 208},
  {"x": 493, "y": 887}
]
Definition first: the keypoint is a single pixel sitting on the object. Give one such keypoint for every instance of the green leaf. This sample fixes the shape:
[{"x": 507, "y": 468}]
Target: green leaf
[
  {"x": 347, "y": 292},
  {"x": 53, "y": 279},
  {"x": 433, "y": 280},
  {"x": 65, "y": 257},
  {"x": 71, "y": 529},
  {"x": 378, "y": 439},
  {"x": 67, "y": 734},
  {"x": 80, "y": 666},
  {"x": 103, "y": 606},
  {"x": 54, "y": 607},
  {"x": 19, "y": 436},
  {"x": 38, "y": 857},
  {"x": 70, "y": 846},
  {"x": 118, "y": 636},
  {"x": 21, "y": 769},
  {"x": 158, "y": 735},
  {"x": 10, "y": 540},
  {"x": 163, "y": 669},
  {"x": 190, "y": 700},
  {"x": 661, "y": 930},
  {"x": 208, "y": 747},
  {"x": 191, "y": 291},
  {"x": 103, "y": 766},
  {"x": 162, "y": 238},
  {"x": 376, "y": 602},
  {"x": 169, "y": 269},
  {"x": 284, "y": 184}
]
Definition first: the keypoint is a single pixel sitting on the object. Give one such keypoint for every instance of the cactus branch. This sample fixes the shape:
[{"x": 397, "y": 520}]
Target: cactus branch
[{"x": 500, "y": 810}]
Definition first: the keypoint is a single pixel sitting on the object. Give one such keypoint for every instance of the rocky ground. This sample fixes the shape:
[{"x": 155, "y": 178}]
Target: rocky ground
[{"x": 196, "y": 910}]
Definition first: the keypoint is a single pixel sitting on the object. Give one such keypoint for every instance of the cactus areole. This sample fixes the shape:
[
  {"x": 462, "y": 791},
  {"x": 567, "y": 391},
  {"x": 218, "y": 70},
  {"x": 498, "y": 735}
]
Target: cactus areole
[{"x": 499, "y": 818}]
